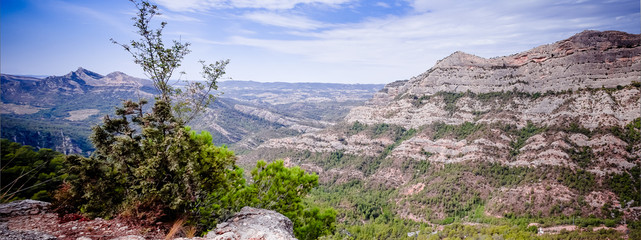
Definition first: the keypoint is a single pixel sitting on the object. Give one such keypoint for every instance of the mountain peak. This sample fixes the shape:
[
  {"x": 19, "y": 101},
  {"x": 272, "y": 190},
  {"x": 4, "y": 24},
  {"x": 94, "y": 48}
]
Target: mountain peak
[
  {"x": 84, "y": 75},
  {"x": 116, "y": 74},
  {"x": 459, "y": 58},
  {"x": 587, "y": 59}
]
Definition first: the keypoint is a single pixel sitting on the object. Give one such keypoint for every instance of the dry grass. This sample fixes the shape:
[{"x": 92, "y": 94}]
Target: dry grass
[
  {"x": 189, "y": 231},
  {"x": 175, "y": 228},
  {"x": 178, "y": 229}
]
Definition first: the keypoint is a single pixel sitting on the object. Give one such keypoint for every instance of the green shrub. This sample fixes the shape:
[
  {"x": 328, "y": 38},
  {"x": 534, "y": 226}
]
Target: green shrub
[
  {"x": 27, "y": 173},
  {"x": 273, "y": 187},
  {"x": 152, "y": 174}
]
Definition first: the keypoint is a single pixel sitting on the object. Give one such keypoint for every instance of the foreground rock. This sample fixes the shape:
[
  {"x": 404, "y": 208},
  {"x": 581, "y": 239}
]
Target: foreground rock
[
  {"x": 254, "y": 223},
  {"x": 23, "y": 207},
  {"x": 30, "y": 219}
]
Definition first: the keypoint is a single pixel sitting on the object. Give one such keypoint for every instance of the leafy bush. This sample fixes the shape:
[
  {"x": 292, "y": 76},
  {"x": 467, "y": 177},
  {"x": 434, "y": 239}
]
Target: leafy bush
[
  {"x": 273, "y": 187},
  {"x": 579, "y": 179},
  {"x": 450, "y": 99}
]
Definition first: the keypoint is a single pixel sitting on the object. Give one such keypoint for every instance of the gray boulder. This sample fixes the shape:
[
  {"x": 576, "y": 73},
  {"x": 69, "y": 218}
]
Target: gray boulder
[
  {"x": 254, "y": 223},
  {"x": 23, "y": 207}
]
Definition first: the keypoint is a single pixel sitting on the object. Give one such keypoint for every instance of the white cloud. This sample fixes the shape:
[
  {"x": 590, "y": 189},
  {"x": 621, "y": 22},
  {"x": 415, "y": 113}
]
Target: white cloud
[
  {"x": 284, "y": 20},
  {"x": 178, "y": 18},
  {"x": 382, "y": 4}
]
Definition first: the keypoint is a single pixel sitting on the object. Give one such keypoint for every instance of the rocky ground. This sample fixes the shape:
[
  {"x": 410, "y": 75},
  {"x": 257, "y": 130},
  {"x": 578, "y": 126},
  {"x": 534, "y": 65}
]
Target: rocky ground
[{"x": 29, "y": 219}]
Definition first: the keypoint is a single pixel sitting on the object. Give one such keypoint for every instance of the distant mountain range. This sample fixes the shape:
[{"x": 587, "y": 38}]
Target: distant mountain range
[{"x": 58, "y": 111}]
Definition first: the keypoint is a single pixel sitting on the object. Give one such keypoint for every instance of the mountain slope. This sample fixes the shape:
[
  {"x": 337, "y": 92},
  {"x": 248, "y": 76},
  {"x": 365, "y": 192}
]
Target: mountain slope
[{"x": 551, "y": 131}]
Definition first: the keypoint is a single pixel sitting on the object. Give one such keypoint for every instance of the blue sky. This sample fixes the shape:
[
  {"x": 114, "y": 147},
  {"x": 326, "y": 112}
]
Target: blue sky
[{"x": 345, "y": 41}]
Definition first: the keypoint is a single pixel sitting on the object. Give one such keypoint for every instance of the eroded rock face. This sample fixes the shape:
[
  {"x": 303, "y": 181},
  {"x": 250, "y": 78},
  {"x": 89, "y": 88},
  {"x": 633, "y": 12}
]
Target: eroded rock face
[
  {"x": 589, "y": 81},
  {"x": 588, "y": 59},
  {"x": 254, "y": 223}
]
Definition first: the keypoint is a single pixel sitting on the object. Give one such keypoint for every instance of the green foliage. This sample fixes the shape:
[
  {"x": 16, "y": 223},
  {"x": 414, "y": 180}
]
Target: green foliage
[
  {"x": 579, "y": 179},
  {"x": 357, "y": 127},
  {"x": 147, "y": 165},
  {"x": 499, "y": 175},
  {"x": 399, "y": 134},
  {"x": 635, "y": 229},
  {"x": 582, "y": 157},
  {"x": 457, "y": 131},
  {"x": 392, "y": 229},
  {"x": 150, "y": 52},
  {"x": 576, "y": 128},
  {"x": 273, "y": 187},
  {"x": 380, "y": 129},
  {"x": 627, "y": 185},
  {"x": 450, "y": 98},
  {"x": 418, "y": 101},
  {"x": 158, "y": 171},
  {"x": 26, "y": 173},
  {"x": 631, "y": 133},
  {"x": 160, "y": 62},
  {"x": 47, "y": 132},
  {"x": 447, "y": 194}
]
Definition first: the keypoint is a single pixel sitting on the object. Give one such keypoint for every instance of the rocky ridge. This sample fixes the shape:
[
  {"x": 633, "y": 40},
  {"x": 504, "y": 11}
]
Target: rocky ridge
[
  {"x": 554, "y": 107},
  {"x": 587, "y": 59}
]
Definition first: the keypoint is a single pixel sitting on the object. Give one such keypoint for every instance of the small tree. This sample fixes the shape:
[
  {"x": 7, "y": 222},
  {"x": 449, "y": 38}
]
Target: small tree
[
  {"x": 149, "y": 165},
  {"x": 159, "y": 64}
]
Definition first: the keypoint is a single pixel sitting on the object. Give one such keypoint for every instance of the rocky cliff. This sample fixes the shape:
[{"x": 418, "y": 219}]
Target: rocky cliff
[
  {"x": 569, "y": 110},
  {"x": 588, "y": 59}
]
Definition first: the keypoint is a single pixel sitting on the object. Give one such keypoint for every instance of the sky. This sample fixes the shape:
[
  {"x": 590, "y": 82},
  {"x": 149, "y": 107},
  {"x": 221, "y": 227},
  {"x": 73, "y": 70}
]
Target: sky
[{"x": 338, "y": 41}]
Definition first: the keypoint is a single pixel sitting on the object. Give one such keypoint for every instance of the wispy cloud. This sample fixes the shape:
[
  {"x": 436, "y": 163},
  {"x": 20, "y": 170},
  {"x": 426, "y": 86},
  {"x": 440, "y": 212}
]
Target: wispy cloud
[
  {"x": 284, "y": 20},
  {"x": 437, "y": 28},
  {"x": 178, "y": 18},
  {"x": 203, "y": 5}
]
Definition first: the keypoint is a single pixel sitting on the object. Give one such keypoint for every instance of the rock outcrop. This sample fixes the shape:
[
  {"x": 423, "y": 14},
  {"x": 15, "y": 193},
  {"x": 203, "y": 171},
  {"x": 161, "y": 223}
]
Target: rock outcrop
[
  {"x": 254, "y": 223},
  {"x": 588, "y": 59},
  {"x": 23, "y": 207}
]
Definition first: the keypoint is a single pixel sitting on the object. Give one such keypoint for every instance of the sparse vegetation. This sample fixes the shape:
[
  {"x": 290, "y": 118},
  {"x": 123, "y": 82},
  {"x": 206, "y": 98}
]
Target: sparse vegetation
[
  {"x": 582, "y": 157},
  {"x": 459, "y": 132},
  {"x": 357, "y": 127},
  {"x": 522, "y": 135}
]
